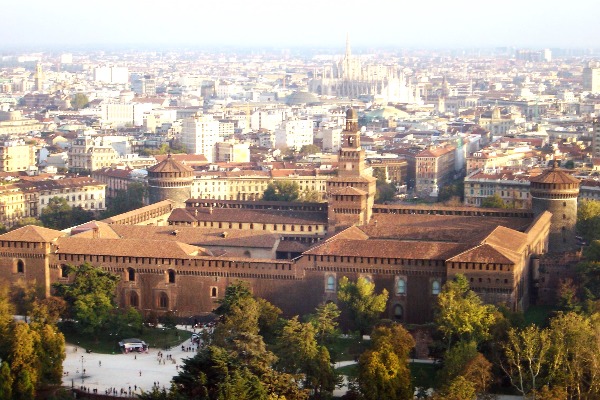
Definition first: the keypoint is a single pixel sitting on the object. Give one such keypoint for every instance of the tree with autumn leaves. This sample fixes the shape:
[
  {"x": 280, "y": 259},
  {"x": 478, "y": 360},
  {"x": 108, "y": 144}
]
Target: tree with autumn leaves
[{"x": 31, "y": 353}]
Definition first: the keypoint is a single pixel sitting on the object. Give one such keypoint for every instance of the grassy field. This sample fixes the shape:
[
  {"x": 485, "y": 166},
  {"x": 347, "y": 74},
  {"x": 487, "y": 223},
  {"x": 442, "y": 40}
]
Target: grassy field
[
  {"x": 423, "y": 374},
  {"x": 347, "y": 348},
  {"x": 107, "y": 343},
  {"x": 539, "y": 315}
]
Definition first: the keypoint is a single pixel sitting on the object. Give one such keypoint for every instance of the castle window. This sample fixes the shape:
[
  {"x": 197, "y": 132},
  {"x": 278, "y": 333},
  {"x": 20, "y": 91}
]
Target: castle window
[
  {"x": 400, "y": 286},
  {"x": 134, "y": 300},
  {"x": 20, "y": 267},
  {"x": 130, "y": 274},
  {"x": 398, "y": 312},
  {"x": 64, "y": 271},
  {"x": 331, "y": 283},
  {"x": 564, "y": 203},
  {"x": 171, "y": 276},
  {"x": 163, "y": 300},
  {"x": 435, "y": 287},
  {"x": 214, "y": 291}
]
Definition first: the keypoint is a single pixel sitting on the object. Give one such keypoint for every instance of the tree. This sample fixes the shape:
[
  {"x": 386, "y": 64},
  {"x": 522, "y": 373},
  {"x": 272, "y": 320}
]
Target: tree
[
  {"x": 456, "y": 359},
  {"x": 126, "y": 200},
  {"x": 51, "y": 354},
  {"x": 525, "y": 356},
  {"x": 382, "y": 370},
  {"x": 24, "y": 363},
  {"x": 6, "y": 381},
  {"x": 324, "y": 321},
  {"x": 214, "y": 374},
  {"x": 26, "y": 221},
  {"x": 282, "y": 191},
  {"x": 494, "y": 201},
  {"x": 308, "y": 149},
  {"x": 385, "y": 192},
  {"x": 299, "y": 353},
  {"x": 453, "y": 189},
  {"x": 461, "y": 313},
  {"x": 90, "y": 296},
  {"x": 588, "y": 219},
  {"x": 365, "y": 306},
  {"x": 79, "y": 100},
  {"x": 58, "y": 214},
  {"x": 310, "y": 196},
  {"x": 574, "y": 359},
  {"x": 459, "y": 389}
]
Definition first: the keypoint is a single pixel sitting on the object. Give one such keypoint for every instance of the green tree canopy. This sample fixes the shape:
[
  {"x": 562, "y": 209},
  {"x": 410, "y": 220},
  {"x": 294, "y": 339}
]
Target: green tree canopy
[
  {"x": 383, "y": 370},
  {"x": 494, "y": 201},
  {"x": 588, "y": 219},
  {"x": 364, "y": 304},
  {"x": 308, "y": 149},
  {"x": 26, "y": 221},
  {"x": 90, "y": 296},
  {"x": 126, "y": 200},
  {"x": 461, "y": 314},
  {"x": 325, "y": 321},
  {"x": 58, "y": 214},
  {"x": 282, "y": 191},
  {"x": 79, "y": 101}
]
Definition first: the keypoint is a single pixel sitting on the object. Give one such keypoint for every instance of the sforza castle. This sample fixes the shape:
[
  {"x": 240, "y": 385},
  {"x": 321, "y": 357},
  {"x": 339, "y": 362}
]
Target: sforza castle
[{"x": 179, "y": 254}]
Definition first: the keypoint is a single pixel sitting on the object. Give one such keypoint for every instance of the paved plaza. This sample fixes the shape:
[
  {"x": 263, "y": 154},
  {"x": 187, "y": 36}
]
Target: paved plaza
[{"x": 125, "y": 373}]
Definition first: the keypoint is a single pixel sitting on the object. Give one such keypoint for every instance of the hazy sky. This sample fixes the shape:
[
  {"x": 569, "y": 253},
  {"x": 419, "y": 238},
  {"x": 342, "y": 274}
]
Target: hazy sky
[{"x": 284, "y": 23}]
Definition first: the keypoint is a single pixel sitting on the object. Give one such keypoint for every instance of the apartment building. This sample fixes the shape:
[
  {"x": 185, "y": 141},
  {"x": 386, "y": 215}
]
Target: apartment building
[{"x": 434, "y": 168}]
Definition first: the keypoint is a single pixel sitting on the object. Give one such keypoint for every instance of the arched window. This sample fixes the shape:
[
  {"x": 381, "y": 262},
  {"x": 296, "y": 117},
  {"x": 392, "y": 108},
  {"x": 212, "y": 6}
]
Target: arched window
[
  {"x": 134, "y": 300},
  {"x": 398, "y": 312},
  {"x": 171, "y": 276},
  {"x": 247, "y": 253},
  {"x": 331, "y": 283},
  {"x": 20, "y": 267},
  {"x": 214, "y": 291},
  {"x": 400, "y": 286},
  {"x": 163, "y": 300},
  {"x": 131, "y": 274},
  {"x": 435, "y": 287}
]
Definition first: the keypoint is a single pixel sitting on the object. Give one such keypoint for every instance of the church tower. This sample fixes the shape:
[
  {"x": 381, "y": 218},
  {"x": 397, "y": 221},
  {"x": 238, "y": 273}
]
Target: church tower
[
  {"x": 556, "y": 191},
  {"x": 352, "y": 193},
  {"x": 39, "y": 78}
]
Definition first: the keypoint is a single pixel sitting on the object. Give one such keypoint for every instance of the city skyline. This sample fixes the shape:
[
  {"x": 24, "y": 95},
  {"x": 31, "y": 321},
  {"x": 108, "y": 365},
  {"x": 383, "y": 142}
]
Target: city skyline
[{"x": 268, "y": 23}]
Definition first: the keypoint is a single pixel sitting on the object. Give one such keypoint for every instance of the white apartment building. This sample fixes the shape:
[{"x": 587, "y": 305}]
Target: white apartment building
[
  {"x": 83, "y": 192},
  {"x": 591, "y": 78},
  {"x": 200, "y": 134},
  {"x": 294, "y": 133},
  {"x": 331, "y": 139}
]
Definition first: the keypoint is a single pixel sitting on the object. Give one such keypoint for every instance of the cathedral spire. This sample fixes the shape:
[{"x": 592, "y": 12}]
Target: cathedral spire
[{"x": 348, "y": 54}]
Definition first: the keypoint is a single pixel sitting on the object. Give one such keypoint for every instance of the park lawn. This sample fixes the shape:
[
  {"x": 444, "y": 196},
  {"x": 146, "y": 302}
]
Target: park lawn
[
  {"x": 348, "y": 370},
  {"x": 423, "y": 374},
  {"x": 539, "y": 315},
  {"x": 347, "y": 348},
  {"x": 107, "y": 343}
]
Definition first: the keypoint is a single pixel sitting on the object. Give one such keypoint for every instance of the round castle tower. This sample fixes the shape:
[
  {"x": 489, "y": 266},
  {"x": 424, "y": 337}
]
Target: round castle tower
[
  {"x": 556, "y": 191},
  {"x": 170, "y": 179}
]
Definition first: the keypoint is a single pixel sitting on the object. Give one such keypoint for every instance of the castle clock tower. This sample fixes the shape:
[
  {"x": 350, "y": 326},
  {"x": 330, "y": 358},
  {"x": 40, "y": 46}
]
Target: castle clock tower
[{"x": 352, "y": 193}]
